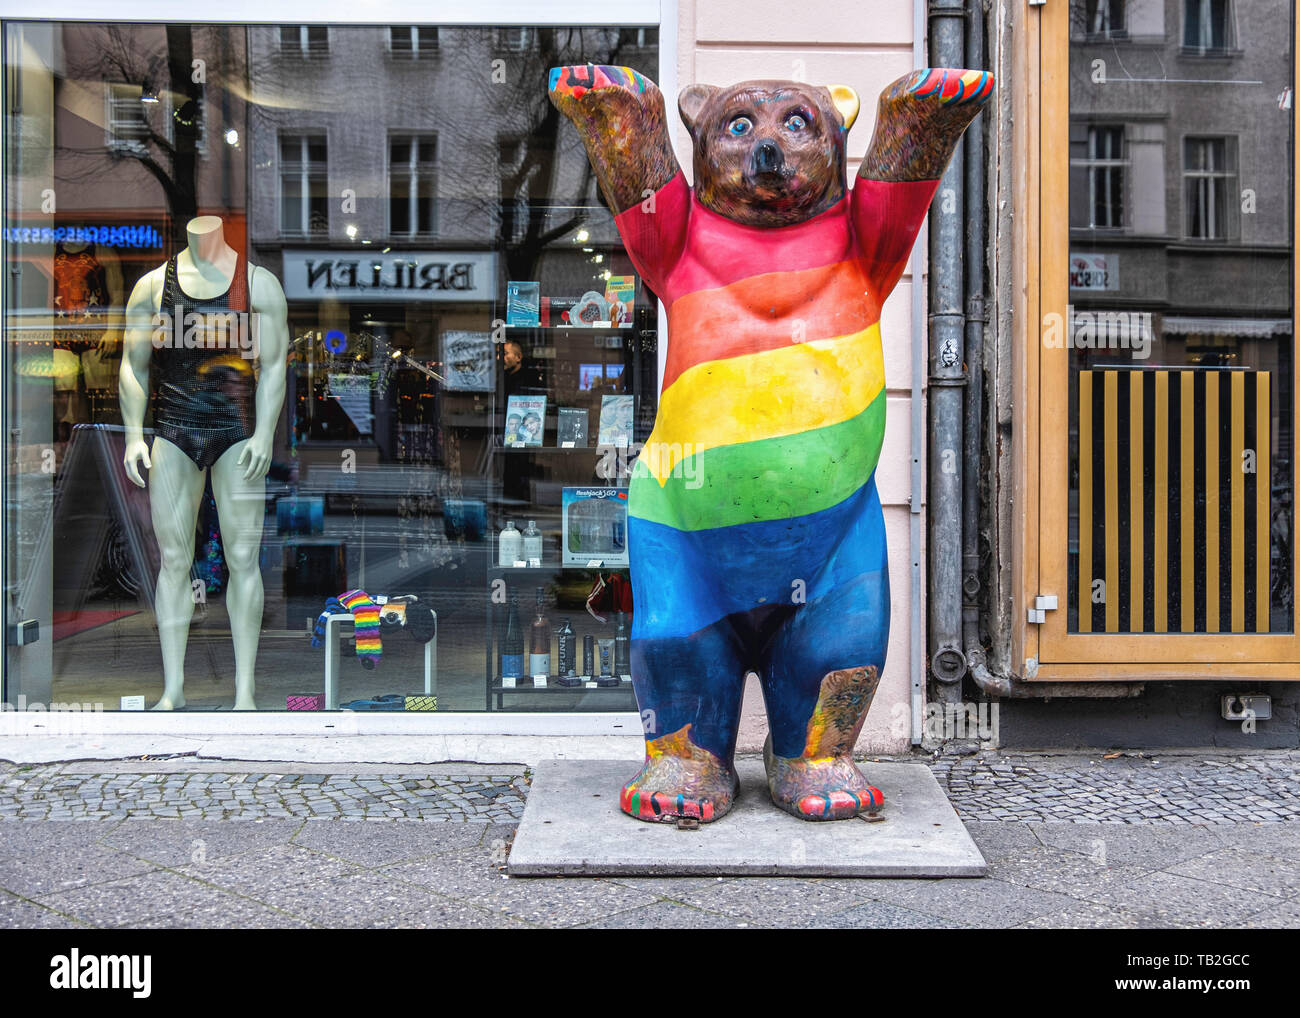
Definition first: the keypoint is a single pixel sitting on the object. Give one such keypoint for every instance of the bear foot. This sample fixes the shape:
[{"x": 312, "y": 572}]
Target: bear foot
[
  {"x": 830, "y": 788},
  {"x": 679, "y": 779},
  {"x": 823, "y": 783}
]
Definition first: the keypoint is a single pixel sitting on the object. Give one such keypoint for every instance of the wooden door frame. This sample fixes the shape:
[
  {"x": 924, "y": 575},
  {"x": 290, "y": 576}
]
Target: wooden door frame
[{"x": 1045, "y": 425}]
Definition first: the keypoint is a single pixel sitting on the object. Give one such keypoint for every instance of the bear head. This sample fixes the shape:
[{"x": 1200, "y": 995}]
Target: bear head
[{"x": 768, "y": 153}]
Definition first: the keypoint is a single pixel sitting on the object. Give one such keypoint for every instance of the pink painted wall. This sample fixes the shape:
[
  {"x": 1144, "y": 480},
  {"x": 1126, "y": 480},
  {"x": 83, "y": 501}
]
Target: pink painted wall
[{"x": 724, "y": 41}]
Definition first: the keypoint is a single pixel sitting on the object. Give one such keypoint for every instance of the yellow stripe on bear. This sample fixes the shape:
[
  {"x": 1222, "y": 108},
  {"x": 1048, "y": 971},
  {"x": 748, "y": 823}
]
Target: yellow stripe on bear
[{"x": 765, "y": 395}]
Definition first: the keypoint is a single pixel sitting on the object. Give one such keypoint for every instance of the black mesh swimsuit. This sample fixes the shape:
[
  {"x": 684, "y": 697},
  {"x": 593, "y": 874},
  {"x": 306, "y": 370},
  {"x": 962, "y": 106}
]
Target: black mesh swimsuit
[{"x": 206, "y": 395}]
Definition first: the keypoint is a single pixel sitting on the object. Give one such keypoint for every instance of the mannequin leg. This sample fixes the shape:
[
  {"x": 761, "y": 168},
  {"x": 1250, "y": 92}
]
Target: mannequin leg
[
  {"x": 241, "y": 506},
  {"x": 175, "y": 489}
]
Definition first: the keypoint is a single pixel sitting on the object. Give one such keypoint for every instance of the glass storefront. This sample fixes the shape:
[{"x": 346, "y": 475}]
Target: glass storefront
[
  {"x": 1179, "y": 323},
  {"x": 375, "y": 257}
]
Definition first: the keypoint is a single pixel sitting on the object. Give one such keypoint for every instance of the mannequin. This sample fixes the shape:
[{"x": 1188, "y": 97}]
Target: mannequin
[{"x": 212, "y": 412}]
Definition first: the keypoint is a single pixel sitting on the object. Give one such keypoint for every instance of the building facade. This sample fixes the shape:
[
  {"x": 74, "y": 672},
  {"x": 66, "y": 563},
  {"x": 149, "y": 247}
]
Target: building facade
[{"x": 1087, "y": 474}]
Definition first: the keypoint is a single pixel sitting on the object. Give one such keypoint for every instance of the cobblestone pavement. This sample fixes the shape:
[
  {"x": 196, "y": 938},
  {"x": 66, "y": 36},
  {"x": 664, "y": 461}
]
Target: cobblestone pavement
[
  {"x": 1131, "y": 789},
  {"x": 1080, "y": 842},
  {"x": 1149, "y": 788},
  {"x": 58, "y": 792}
]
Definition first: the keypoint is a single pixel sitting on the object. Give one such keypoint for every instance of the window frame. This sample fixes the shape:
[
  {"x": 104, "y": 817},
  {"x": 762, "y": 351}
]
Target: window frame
[
  {"x": 1229, "y": 47},
  {"x": 415, "y": 51},
  {"x": 304, "y": 47},
  {"x": 1094, "y": 165},
  {"x": 1230, "y": 157},
  {"x": 1109, "y": 33},
  {"x": 413, "y": 138},
  {"x": 662, "y": 15},
  {"x": 306, "y": 177},
  {"x": 1048, "y": 651}
]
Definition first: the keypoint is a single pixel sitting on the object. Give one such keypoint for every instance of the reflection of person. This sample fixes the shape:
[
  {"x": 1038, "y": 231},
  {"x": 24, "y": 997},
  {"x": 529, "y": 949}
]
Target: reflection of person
[
  {"x": 518, "y": 374},
  {"x": 212, "y": 413},
  {"x": 513, "y": 354}
]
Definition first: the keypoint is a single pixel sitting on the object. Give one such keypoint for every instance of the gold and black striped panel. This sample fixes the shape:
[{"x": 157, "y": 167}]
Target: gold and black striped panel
[{"x": 1173, "y": 502}]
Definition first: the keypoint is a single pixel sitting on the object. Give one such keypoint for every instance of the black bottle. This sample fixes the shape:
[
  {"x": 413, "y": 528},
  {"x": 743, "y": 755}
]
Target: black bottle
[{"x": 622, "y": 648}]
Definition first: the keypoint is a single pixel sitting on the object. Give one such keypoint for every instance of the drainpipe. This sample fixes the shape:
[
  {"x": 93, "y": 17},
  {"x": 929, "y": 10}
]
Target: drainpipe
[
  {"x": 976, "y": 322},
  {"x": 947, "y": 380}
]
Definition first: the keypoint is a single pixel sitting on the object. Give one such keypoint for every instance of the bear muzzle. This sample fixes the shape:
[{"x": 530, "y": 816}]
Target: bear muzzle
[{"x": 766, "y": 164}]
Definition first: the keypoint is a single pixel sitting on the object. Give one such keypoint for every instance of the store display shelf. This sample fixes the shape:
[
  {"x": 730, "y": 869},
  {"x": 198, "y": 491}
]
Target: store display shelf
[
  {"x": 496, "y": 689},
  {"x": 553, "y": 448},
  {"x": 574, "y": 328}
]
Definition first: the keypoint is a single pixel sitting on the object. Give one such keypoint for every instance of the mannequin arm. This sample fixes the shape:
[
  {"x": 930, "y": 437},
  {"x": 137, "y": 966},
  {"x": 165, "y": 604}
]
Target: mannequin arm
[
  {"x": 269, "y": 304},
  {"x": 133, "y": 376}
]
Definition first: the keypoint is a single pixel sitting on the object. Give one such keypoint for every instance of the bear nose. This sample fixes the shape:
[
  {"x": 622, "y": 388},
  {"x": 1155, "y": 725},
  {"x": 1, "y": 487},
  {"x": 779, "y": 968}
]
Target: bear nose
[{"x": 767, "y": 157}]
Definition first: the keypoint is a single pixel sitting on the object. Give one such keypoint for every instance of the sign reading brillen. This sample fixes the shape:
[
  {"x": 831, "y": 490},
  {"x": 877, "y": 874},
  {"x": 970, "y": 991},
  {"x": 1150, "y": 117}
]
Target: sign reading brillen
[{"x": 398, "y": 275}]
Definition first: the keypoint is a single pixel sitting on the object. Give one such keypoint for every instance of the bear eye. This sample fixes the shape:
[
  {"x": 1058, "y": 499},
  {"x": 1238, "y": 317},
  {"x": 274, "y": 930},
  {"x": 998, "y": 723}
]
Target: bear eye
[
  {"x": 740, "y": 126},
  {"x": 795, "y": 122}
]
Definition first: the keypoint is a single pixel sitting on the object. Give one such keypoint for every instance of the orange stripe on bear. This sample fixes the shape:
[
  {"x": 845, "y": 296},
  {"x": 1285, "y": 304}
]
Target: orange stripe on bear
[{"x": 767, "y": 312}]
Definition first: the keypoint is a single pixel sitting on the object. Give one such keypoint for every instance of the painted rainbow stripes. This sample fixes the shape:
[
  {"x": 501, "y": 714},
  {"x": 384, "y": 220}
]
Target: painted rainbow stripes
[
  {"x": 365, "y": 621},
  {"x": 772, "y": 414},
  {"x": 953, "y": 86}
]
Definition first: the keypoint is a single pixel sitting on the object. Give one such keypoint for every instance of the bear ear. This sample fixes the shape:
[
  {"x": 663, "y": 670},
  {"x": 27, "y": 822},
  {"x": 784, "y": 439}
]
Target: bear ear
[
  {"x": 690, "y": 101},
  {"x": 846, "y": 103}
]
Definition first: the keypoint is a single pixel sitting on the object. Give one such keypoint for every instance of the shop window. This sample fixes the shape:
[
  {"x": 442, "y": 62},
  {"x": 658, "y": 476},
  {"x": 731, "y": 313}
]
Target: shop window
[
  {"x": 1210, "y": 187},
  {"x": 1208, "y": 26},
  {"x": 411, "y": 185},
  {"x": 306, "y": 40},
  {"x": 1099, "y": 165},
  {"x": 444, "y": 258},
  {"x": 405, "y": 41},
  {"x": 304, "y": 204}
]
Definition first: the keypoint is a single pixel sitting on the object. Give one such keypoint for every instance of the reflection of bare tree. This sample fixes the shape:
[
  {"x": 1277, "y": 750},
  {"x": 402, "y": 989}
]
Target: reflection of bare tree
[
  {"x": 165, "y": 148},
  {"x": 530, "y": 180},
  {"x": 508, "y": 169}
]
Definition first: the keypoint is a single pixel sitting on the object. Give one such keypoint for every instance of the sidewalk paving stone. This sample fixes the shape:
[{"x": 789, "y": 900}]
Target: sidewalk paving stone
[{"x": 1192, "y": 840}]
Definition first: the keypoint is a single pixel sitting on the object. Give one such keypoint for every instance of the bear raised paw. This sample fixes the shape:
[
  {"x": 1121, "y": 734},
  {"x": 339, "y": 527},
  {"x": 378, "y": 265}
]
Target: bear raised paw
[{"x": 767, "y": 552}]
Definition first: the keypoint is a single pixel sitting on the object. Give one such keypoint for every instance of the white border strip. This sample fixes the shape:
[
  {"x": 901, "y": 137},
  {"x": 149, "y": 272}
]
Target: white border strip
[{"x": 206, "y": 724}]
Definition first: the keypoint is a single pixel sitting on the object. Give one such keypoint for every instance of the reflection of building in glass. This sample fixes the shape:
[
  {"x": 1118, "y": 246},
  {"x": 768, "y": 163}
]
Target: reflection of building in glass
[
  {"x": 396, "y": 224},
  {"x": 1180, "y": 184}
]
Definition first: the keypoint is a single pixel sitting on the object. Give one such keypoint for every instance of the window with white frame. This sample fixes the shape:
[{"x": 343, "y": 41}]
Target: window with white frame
[
  {"x": 412, "y": 192},
  {"x": 1208, "y": 26},
  {"x": 412, "y": 40},
  {"x": 305, "y": 40},
  {"x": 128, "y": 123},
  {"x": 1099, "y": 167},
  {"x": 304, "y": 204},
  {"x": 1210, "y": 187}
]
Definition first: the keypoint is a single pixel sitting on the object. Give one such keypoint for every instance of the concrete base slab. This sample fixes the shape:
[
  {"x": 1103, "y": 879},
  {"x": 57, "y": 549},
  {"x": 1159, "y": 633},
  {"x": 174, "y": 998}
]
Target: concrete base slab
[{"x": 572, "y": 826}]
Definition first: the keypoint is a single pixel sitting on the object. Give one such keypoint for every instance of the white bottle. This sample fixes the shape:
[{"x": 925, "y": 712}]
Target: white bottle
[
  {"x": 509, "y": 546},
  {"x": 533, "y": 544}
]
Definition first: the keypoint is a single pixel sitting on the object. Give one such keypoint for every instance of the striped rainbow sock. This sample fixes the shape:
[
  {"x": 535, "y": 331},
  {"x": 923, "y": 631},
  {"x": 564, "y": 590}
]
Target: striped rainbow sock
[{"x": 366, "y": 621}]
